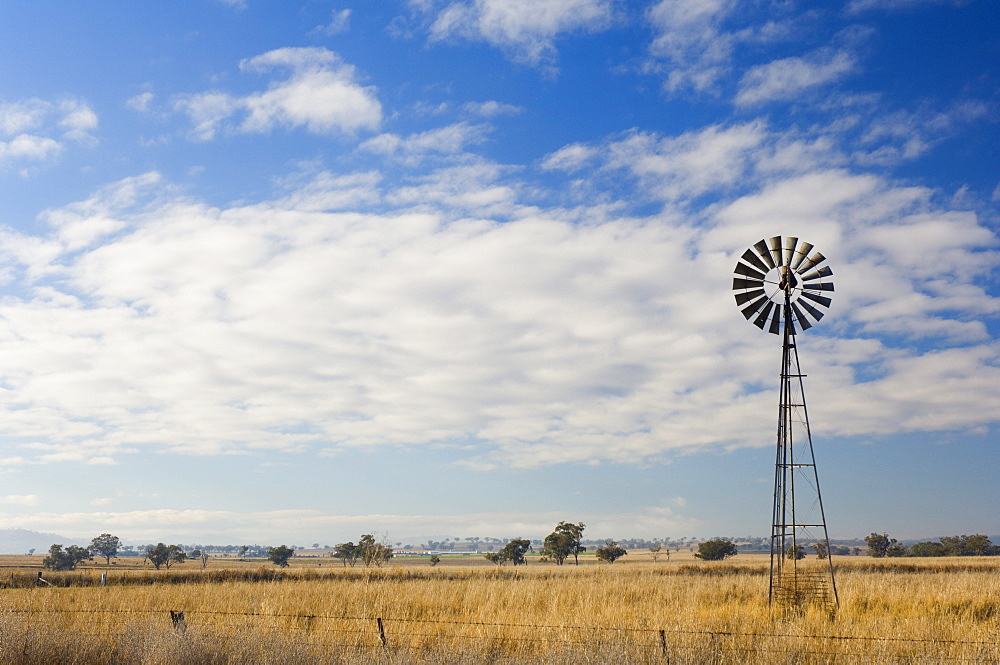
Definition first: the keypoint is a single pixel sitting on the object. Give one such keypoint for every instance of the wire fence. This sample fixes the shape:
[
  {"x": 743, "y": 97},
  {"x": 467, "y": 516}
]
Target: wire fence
[{"x": 374, "y": 634}]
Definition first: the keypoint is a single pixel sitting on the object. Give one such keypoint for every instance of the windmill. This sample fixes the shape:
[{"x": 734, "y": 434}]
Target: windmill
[{"x": 784, "y": 291}]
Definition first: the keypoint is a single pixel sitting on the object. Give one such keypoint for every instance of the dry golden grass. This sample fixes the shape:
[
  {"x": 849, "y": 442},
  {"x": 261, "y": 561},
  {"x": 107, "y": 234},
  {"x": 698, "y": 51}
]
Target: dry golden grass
[{"x": 909, "y": 611}]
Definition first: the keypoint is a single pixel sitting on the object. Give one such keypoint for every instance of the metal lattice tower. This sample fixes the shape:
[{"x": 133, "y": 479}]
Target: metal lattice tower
[{"x": 780, "y": 287}]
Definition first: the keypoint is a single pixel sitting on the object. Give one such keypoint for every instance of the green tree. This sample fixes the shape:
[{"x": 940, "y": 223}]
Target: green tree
[
  {"x": 435, "y": 560},
  {"x": 165, "y": 555},
  {"x": 821, "y": 550},
  {"x": 978, "y": 544},
  {"x": 926, "y": 548},
  {"x": 68, "y": 559},
  {"x": 879, "y": 544},
  {"x": 515, "y": 550},
  {"x": 556, "y": 546},
  {"x": 106, "y": 545},
  {"x": 373, "y": 552},
  {"x": 716, "y": 549},
  {"x": 347, "y": 553},
  {"x": 280, "y": 555},
  {"x": 574, "y": 532},
  {"x": 499, "y": 558},
  {"x": 796, "y": 552},
  {"x": 563, "y": 542},
  {"x": 611, "y": 551}
]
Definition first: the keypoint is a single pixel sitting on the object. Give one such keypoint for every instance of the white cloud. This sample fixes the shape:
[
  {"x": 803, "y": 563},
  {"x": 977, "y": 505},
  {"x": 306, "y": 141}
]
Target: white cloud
[
  {"x": 788, "y": 78},
  {"x": 858, "y": 6},
  {"x": 449, "y": 140},
  {"x": 686, "y": 166},
  {"x": 140, "y": 102},
  {"x": 339, "y": 22},
  {"x": 569, "y": 158},
  {"x": 355, "y": 310},
  {"x": 321, "y": 95},
  {"x": 37, "y": 131},
  {"x": 691, "y": 41},
  {"x": 492, "y": 108},
  {"x": 527, "y": 30}
]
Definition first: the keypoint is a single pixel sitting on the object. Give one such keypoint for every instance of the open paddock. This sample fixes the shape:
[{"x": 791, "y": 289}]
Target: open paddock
[{"x": 683, "y": 611}]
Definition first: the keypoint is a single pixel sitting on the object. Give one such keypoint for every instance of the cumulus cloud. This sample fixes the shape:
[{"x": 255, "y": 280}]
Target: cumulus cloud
[
  {"x": 321, "y": 95},
  {"x": 353, "y": 310},
  {"x": 35, "y": 131},
  {"x": 526, "y": 30}
]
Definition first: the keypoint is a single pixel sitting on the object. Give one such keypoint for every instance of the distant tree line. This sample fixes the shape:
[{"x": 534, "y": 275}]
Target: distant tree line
[{"x": 881, "y": 545}]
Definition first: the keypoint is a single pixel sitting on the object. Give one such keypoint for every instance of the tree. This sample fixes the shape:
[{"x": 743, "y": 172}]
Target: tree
[
  {"x": 435, "y": 560},
  {"x": 655, "y": 551},
  {"x": 716, "y": 549},
  {"x": 106, "y": 545},
  {"x": 347, "y": 553},
  {"x": 515, "y": 550},
  {"x": 575, "y": 538},
  {"x": 821, "y": 550},
  {"x": 556, "y": 547},
  {"x": 879, "y": 544},
  {"x": 611, "y": 552},
  {"x": 926, "y": 548},
  {"x": 796, "y": 552},
  {"x": 68, "y": 559},
  {"x": 374, "y": 552},
  {"x": 496, "y": 557},
  {"x": 280, "y": 555},
  {"x": 564, "y": 541},
  {"x": 165, "y": 555}
]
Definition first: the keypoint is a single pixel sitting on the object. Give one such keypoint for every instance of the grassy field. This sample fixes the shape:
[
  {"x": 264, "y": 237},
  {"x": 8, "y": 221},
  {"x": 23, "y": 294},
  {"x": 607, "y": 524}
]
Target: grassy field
[{"x": 466, "y": 610}]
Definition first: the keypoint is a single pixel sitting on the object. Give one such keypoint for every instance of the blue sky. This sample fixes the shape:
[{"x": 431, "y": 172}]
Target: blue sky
[{"x": 291, "y": 272}]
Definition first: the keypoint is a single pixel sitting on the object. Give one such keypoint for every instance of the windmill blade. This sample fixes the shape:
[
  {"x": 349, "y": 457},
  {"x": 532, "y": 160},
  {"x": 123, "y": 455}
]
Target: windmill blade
[
  {"x": 816, "y": 314},
  {"x": 800, "y": 254},
  {"x": 753, "y": 260},
  {"x": 775, "y": 322},
  {"x": 789, "y": 250},
  {"x": 747, "y": 296},
  {"x": 818, "y": 274},
  {"x": 813, "y": 260},
  {"x": 744, "y": 269},
  {"x": 764, "y": 313},
  {"x": 803, "y": 321},
  {"x": 775, "y": 244},
  {"x": 764, "y": 253},
  {"x": 818, "y": 286},
  {"x": 740, "y": 283},
  {"x": 822, "y": 300},
  {"x": 753, "y": 307}
]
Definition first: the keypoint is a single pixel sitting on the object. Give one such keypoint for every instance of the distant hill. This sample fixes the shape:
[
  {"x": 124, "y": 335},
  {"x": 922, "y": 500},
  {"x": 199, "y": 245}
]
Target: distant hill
[{"x": 19, "y": 541}]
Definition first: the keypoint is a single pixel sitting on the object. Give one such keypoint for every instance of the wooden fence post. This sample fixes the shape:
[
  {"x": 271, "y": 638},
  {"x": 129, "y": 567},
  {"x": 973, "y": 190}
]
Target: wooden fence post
[
  {"x": 381, "y": 632},
  {"x": 663, "y": 646},
  {"x": 177, "y": 618}
]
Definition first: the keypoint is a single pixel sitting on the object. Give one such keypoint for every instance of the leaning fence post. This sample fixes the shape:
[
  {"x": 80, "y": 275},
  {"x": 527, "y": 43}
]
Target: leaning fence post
[
  {"x": 663, "y": 646},
  {"x": 381, "y": 632}
]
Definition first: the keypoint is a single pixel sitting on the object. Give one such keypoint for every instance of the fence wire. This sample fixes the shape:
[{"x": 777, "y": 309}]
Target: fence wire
[{"x": 415, "y": 634}]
